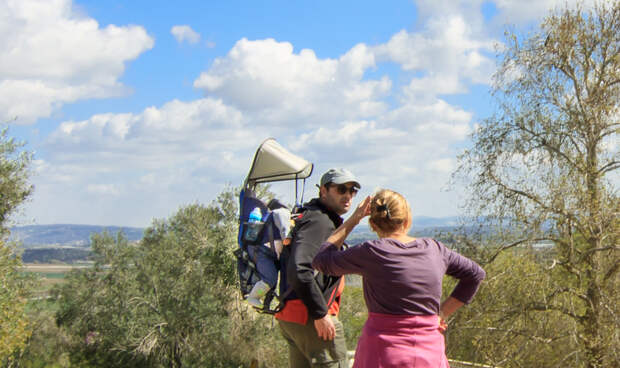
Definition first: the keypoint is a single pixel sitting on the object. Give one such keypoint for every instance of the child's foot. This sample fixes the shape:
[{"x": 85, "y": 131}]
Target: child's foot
[
  {"x": 255, "y": 302},
  {"x": 259, "y": 290}
]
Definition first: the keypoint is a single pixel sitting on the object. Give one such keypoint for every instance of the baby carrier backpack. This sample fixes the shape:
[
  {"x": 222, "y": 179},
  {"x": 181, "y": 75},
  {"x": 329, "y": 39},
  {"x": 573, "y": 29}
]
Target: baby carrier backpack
[{"x": 262, "y": 226}]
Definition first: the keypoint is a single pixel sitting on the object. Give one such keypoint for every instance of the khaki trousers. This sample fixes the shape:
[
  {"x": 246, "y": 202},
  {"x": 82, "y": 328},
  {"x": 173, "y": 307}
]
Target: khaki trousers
[{"x": 307, "y": 350}]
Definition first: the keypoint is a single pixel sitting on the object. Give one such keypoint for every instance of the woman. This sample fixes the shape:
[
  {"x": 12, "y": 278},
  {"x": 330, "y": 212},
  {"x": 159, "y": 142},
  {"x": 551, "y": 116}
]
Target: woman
[{"x": 402, "y": 279}]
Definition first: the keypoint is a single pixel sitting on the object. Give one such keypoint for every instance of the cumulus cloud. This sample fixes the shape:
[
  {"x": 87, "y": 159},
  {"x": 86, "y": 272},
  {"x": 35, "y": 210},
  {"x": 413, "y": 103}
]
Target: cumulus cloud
[
  {"x": 185, "y": 33},
  {"x": 156, "y": 137},
  {"x": 518, "y": 11},
  {"x": 342, "y": 118},
  {"x": 506, "y": 11},
  {"x": 269, "y": 79},
  {"x": 102, "y": 189},
  {"x": 396, "y": 133},
  {"x": 53, "y": 56},
  {"x": 148, "y": 163},
  {"x": 447, "y": 48},
  {"x": 181, "y": 151}
]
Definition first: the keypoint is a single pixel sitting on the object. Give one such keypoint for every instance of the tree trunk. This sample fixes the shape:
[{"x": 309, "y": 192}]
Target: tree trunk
[{"x": 591, "y": 323}]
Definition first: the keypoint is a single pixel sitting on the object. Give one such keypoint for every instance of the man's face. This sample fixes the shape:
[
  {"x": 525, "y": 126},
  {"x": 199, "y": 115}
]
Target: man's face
[{"x": 338, "y": 197}]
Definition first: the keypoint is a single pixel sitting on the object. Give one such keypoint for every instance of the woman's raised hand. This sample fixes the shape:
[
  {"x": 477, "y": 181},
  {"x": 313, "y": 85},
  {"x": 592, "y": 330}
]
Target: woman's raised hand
[
  {"x": 362, "y": 210},
  {"x": 340, "y": 234}
]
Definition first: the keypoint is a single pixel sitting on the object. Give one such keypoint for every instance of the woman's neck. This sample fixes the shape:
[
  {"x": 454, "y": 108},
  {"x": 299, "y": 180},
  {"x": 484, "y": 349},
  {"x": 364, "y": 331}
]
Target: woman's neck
[{"x": 401, "y": 237}]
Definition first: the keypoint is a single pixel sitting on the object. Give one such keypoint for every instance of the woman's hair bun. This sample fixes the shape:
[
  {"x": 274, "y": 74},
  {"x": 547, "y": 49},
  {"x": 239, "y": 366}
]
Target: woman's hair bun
[{"x": 389, "y": 211}]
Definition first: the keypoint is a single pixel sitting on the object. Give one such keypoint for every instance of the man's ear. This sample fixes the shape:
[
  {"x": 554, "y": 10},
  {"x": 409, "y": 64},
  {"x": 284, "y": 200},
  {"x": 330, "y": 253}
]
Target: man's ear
[{"x": 322, "y": 191}]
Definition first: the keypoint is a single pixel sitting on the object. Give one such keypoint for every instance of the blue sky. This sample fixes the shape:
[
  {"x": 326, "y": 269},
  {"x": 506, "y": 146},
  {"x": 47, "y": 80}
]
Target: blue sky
[{"x": 135, "y": 108}]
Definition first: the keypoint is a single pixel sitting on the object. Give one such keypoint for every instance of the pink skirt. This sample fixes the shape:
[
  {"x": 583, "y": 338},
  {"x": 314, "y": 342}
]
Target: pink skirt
[{"x": 401, "y": 341}]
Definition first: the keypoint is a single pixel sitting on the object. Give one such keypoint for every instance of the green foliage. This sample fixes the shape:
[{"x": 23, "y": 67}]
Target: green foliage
[
  {"x": 14, "y": 172},
  {"x": 507, "y": 325},
  {"x": 47, "y": 346},
  {"x": 14, "y": 189},
  {"x": 172, "y": 300},
  {"x": 15, "y": 329},
  {"x": 353, "y": 312},
  {"x": 544, "y": 168},
  {"x": 55, "y": 255}
]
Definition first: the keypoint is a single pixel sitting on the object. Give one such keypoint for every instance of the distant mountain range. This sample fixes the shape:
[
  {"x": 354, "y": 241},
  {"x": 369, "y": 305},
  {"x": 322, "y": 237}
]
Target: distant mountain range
[
  {"x": 423, "y": 222},
  {"x": 66, "y": 235}
]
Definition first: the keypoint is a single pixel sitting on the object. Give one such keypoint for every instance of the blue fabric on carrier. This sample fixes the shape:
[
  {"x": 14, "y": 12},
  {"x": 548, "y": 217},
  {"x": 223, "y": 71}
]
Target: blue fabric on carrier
[
  {"x": 264, "y": 255},
  {"x": 265, "y": 261},
  {"x": 260, "y": 251}
]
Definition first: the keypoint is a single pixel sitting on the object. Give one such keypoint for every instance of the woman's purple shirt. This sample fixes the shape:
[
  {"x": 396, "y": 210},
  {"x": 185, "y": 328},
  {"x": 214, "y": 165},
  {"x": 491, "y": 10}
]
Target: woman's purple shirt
[{"x": 402, "y": 278}]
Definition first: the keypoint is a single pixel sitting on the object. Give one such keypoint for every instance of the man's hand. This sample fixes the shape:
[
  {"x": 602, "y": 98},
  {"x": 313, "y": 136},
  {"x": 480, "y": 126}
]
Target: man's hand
[{"x": 325, "y": 328}]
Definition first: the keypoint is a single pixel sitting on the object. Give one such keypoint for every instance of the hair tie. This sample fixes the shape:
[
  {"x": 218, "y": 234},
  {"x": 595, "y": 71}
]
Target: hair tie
[{"x": 385, "y": 208}]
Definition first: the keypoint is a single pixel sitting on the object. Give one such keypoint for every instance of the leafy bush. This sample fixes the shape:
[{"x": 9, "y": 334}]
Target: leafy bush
[
  {"x": 14, "y": 326},
  {"x": 172, "y": 300}
]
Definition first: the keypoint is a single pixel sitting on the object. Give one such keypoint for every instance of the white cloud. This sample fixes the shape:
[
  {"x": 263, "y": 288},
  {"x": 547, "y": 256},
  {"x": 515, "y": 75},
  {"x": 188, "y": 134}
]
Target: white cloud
[
  {"x": 282, "y": 87},
  {"x": 328, "y": 110},
  {"x": 445, "y": 165},
  {"x": 508, "y": 11},
  {"x": 103, "y": 189},
  {"x": 185, "y": 33},
  {"x": 426, "y": 88},
  {"x": 333, "y": 105},
  {"x": 156, "y": 137},
  {"x": 522, "y": 11},
  {"x": 53, "y": 56},
  {"x": 446, "y": 47},
  {"x": 141, "y": 165},
  {"x": 186, "y": 151}
]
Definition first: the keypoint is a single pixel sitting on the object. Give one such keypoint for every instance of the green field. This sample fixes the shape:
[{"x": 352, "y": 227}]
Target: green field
[{"x": 48, "y": 275}]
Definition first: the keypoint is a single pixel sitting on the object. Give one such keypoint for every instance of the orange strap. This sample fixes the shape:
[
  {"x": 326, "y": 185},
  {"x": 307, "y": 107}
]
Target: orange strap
[{"x": 296, "y": 311}]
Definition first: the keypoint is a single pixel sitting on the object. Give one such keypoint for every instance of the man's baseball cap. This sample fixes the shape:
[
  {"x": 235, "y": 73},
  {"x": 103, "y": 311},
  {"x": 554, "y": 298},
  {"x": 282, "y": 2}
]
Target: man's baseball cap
[{"x": 339, "y": 176}]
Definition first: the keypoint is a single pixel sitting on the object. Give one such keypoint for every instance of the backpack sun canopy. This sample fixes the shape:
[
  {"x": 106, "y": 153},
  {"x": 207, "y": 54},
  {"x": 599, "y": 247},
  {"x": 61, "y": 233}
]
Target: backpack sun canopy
[{"x": 272, "y": 162}]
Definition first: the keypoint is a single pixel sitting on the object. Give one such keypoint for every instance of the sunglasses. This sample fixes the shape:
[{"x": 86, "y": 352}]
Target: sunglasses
[{"x": 342, "y": 189}]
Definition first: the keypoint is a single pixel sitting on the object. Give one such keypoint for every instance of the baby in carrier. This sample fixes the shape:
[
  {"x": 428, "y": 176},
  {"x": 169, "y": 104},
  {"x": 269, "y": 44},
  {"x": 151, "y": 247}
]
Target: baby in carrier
[{"x": 279, "y": 219}]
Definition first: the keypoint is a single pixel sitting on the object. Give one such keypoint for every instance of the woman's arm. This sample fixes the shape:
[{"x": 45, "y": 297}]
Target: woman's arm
[
  {"x": 468, "y": 272},
  {"x": 333, "y": 261},
  {"x": 449, "y": 306},
  {"x": 340, "y": 234}
]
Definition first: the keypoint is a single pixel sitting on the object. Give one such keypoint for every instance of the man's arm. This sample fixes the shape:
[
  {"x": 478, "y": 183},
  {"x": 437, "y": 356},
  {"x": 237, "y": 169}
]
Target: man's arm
[{"x": 309, "y": 237}]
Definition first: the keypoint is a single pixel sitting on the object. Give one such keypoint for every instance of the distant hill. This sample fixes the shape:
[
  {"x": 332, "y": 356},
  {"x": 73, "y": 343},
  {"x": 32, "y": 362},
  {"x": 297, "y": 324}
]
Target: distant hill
[
  {"x": 422, "y": 226},
  {"x": 55, "y": 255},
  {"x": 65, "y": 235},
  {"x": 421, "y": 222},
  {"x": 68, "y": 243}
]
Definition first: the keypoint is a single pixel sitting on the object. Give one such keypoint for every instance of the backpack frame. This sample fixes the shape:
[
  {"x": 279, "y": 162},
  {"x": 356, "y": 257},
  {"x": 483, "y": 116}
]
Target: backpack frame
[{"x": 271, "y": 163}]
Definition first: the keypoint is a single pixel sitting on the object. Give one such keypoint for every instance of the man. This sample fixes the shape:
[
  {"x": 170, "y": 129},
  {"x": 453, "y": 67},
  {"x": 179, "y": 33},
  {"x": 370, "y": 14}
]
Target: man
[{"x": 309, "y": 321}]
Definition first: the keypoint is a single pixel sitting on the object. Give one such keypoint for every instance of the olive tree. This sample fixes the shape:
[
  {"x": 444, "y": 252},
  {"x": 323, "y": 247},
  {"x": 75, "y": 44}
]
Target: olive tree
[
  {"x": 544, "y": 169},
  {"x": 170, "y": 300},
  {"x": 14, "y": 190},
  {"x": 14, "y": 172}
]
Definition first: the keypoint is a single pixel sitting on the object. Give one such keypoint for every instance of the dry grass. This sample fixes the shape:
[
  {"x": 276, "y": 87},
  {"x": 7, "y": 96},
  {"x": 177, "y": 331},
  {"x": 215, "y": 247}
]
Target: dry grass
[
  {"x": 50, "y": 267},
  {"x": 49, "y": 275}
]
